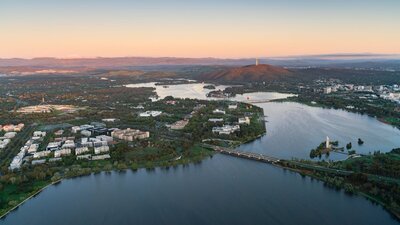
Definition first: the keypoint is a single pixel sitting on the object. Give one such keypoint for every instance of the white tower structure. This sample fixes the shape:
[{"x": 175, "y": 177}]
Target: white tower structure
[
  {"x": 328, "y": 145},
  {"x": 256, "y": 61}
]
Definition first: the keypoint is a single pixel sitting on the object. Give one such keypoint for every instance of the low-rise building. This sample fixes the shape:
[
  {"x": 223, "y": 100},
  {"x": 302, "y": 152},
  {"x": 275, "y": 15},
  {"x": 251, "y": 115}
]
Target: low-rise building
[
  {"x": 179, "y": 125},
  {"x": 41, "y": 154},
  {"x": 219, "y": 111},
  {"x": 75, "y": 129},
  {"x": 109, "y": 120},
  {"x": 62, "y": 152},
  {"x": 106, "y": 138},
  {"x": 86, "y": 133},
  {"x": 216, "y": 120},
  {"x": 232, "y": 106},
  {"x": 244, "y": 120},
  {"x": 87, "y": 156},
  {"x": 101, "y": 149},
  {"x": 53, "y": 146},
  {"x": 150, "y": 114},
  {"x": 130, "y": 134},
  {"x": 13, "y": 128},
  {"x": 101, "y": 157},
  {"x": 4, "y": 143},
  {"x": 39, "y": 134},
  {"x": 33, "y": 148},
  {"x": 59, "y": 132},
  {"x": 68, "y": 144},
  {"x": 38, "y": 161},
  {"x": 226, "y": 129},
  {"x": 10, "y": 135},
  {"x": 327, "y": 90},
  {"x": 81, "y": 150}
]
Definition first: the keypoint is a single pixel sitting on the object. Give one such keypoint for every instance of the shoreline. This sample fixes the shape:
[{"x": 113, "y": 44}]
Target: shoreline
[{"x": 28, "y": 198}]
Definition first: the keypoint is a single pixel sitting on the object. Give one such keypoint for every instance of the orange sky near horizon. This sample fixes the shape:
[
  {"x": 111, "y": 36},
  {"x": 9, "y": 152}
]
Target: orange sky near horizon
[{"x": 47, "y": 29}]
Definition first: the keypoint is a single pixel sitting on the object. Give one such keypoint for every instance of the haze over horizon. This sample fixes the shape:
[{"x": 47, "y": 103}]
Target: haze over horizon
[{"x": 195, "y": 29}]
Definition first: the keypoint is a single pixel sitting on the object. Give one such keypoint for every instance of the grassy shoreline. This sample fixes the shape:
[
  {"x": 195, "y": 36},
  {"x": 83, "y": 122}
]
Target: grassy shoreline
[{"x": 134, "y": 167}]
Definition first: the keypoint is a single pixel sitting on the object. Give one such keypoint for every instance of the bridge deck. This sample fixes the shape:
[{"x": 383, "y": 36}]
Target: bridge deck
[{"x": 246, "y": 155}]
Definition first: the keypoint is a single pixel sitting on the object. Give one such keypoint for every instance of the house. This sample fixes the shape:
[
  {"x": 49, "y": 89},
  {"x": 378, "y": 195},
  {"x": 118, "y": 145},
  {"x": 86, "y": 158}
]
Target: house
[
  {"x": 244, "y": 120},
  {"x": 219, "y": 111}
]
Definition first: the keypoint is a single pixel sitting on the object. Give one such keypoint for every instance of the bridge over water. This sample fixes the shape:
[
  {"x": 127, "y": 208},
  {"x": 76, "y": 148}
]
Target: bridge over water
[{"x": 240, "y": 154}]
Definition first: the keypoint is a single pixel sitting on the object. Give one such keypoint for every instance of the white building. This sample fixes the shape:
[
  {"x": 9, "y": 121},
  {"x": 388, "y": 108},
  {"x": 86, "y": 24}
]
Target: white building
[
  {"x": 41, "y": 154},
  {"x": 215, "y": 120},
  {"x": 39, "y": 134},
  {"x": 62, "y": 152},
  {"x": 150, "y": 114},
  {"x": 75, "y": 129},
  {"x": 179, "y": 125},
  {"x": 4, "y": 143},
  {"x": 101, "y": 157},
  {"x": 86, "y": 133},
  {"x": 327, "y": 90},
  {"x": 226, "y": 129},
  {"x": 52, "y": 146},
  {"x": 101, "y": 149},
  {"x": 10, "y": 135},
  {"x": 106, "y": 138},
  {"x": 219, "y": 111},
  {"x": 81, "y": 150},
  {"x": 244, "y": 120},
  {"x": 109, "y": 120},
  {"x": 68, "y": 144},
  {"x": 33, "y": 148},
  {"x": 233, "y": 106}
]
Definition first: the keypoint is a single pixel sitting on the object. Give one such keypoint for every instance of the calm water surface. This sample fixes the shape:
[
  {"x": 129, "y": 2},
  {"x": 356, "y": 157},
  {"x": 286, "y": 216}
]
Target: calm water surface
[
  {"x": 226, "y": 190},
  {"x": 221, "y": 190}
]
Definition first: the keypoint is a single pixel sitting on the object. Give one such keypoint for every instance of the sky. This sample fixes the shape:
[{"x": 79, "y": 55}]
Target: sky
[{"x": 201, "y": 28}]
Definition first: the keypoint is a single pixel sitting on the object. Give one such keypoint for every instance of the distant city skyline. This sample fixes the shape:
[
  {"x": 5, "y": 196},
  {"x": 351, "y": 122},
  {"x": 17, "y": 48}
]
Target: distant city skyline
[{"x": 195, "y": 29}]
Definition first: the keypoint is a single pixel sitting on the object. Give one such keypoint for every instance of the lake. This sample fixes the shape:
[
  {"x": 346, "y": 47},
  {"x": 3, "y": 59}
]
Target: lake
[
  {"x": 224, "y": 189},
  {"x": 221, "y": 190}
]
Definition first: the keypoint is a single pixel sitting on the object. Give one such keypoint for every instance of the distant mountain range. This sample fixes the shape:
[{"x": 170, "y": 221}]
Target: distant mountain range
[
  {"x": 261, "y": 72},
  {"x": 57, "y": 65}
]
